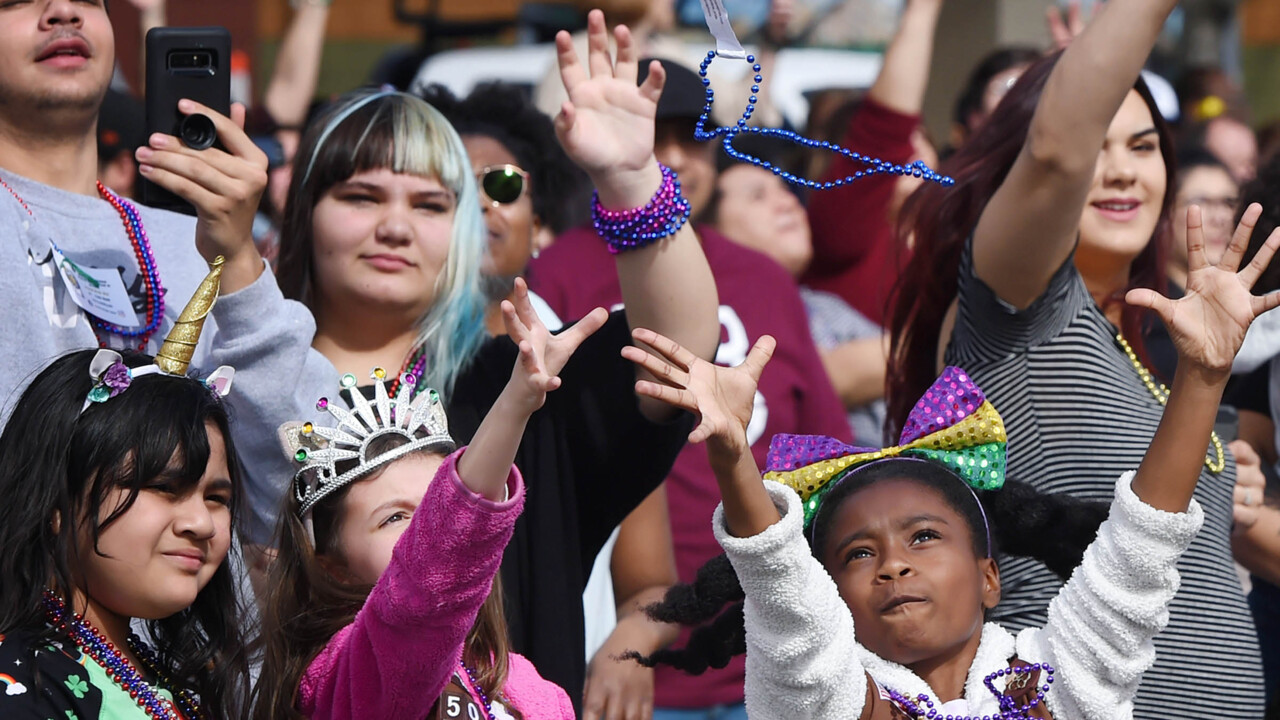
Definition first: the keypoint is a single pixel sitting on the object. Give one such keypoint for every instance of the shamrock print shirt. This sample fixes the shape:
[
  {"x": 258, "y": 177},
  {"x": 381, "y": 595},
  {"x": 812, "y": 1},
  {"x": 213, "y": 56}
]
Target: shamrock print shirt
[{"x": 42, "y": 680}]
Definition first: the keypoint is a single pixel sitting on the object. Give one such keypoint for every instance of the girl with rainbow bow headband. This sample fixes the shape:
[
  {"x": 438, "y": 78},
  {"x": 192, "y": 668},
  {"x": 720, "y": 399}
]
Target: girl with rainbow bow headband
[
  {"x": 953, "y": 424},
  {"x": 881, "y": 615}
]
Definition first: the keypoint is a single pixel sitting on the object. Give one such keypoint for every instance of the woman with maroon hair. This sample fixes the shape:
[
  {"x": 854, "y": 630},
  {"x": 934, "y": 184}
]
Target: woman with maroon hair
[{"x": 1019, "y": 274}]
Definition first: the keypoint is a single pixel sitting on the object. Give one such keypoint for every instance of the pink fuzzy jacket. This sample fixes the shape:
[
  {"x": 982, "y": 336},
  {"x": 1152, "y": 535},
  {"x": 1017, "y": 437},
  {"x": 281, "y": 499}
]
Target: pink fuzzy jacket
[{"x": 397, "y": 656}]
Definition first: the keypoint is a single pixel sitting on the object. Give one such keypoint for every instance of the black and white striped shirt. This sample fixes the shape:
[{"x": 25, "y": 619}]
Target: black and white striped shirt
[{"x": 1077, "y": 417}]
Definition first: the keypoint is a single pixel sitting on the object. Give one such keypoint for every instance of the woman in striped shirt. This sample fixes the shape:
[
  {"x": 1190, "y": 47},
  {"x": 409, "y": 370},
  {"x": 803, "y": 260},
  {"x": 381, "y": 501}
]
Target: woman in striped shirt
[{"x": 1063, "y": 203}]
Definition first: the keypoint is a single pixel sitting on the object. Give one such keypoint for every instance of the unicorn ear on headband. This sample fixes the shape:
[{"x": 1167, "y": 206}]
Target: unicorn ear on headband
[
  {"x": 112, "y": 377},
  {"x": 953, "y": 424}
]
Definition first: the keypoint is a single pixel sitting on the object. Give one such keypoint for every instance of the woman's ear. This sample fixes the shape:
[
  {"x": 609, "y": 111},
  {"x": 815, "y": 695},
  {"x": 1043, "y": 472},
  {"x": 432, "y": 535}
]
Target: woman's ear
[
  {"x": 990, "y": 583},
  {"x": 542, "y": 237},
  {"x": 55, "y": 523}
]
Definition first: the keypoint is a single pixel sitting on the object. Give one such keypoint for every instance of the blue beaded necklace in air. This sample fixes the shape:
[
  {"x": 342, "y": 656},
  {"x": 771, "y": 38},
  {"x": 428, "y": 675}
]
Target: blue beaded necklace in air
[{"x": 727, "y": 133}]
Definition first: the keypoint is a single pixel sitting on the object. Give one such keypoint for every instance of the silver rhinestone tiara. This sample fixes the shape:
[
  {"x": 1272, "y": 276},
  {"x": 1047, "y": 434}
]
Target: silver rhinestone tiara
[{"x": 318, "y": 449}]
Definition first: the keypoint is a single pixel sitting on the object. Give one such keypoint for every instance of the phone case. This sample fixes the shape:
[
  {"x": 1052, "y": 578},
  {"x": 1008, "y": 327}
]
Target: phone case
[{"x": 183, "y": 77}]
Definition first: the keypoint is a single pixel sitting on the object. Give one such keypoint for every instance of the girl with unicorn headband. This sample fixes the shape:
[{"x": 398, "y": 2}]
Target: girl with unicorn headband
[{"x": 122, "y": 488}]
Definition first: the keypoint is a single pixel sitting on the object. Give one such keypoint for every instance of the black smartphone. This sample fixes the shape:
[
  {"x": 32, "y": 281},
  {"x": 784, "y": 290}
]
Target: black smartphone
[{"x": 185, "y": 63}]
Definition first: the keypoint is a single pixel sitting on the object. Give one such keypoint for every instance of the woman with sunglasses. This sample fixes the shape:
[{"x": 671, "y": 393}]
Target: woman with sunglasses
[
  {"x": 525, "y": 180},
  {"x": 384, "y": 240}
]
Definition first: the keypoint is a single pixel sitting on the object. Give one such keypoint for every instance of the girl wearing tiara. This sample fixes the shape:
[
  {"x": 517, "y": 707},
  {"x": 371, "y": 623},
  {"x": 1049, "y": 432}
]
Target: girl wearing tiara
[
  {"x": 881, "y": 613},
  {"x": 384, "y": 600},
  {"x": 384, "y": 241},
  {"x": 121, "y": 487}
]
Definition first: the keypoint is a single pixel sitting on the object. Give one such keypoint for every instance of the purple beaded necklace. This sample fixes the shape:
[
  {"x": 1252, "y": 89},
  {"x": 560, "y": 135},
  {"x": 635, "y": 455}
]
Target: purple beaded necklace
[
  {"x": 133, "y": 227},
  {"x": 1009, "y": 709},
  {"x": 475, "y": 685},
  {"x": 117, "y": 666}
]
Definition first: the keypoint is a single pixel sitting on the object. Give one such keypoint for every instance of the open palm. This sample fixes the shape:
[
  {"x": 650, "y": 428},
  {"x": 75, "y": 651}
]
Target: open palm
[
  {"x": 721, "y": 397},
  {"x": 606, "y": 126},
  {"x": 1208, "y": 325},
  {"x": 542, "y": 354}
]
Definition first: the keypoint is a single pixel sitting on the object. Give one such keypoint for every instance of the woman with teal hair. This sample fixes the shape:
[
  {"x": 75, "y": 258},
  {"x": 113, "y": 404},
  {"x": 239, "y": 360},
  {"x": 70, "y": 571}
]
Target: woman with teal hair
[{"x": 383, "y": 240}]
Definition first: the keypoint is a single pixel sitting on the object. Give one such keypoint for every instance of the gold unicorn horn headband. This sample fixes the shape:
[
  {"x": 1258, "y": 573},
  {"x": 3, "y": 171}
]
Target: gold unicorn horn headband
[
  {"x": 176, "y": 352},
  {"x": 112, "y": 377}
]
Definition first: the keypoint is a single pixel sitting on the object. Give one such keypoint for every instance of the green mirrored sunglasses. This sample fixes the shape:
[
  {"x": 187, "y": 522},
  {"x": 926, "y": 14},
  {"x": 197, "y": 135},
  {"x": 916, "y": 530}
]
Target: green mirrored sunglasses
[{"x": 502, "y": 184}]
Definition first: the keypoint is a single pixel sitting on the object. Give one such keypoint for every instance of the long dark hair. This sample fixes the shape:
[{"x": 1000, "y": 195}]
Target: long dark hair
[
  {"x": 1018, "y": 513},
  {"x": 940, "y": 220},
  {"x": 57, "y": 462},
  {"x": 306, "y": 605}
]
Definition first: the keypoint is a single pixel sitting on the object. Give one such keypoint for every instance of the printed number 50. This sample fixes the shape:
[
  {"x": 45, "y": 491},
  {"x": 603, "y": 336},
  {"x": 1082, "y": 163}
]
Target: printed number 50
[{"x": 453, "y": 708}]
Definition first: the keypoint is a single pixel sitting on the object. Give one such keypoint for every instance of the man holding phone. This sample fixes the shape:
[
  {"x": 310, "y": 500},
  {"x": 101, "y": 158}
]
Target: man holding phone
[{"x": 56, "y": 62}]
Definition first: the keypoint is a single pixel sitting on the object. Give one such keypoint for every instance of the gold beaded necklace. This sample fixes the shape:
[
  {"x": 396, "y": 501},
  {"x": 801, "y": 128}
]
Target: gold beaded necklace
[{"x": 1217, "y": 462}]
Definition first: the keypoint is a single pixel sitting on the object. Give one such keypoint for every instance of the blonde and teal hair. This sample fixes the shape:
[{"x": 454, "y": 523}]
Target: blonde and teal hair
[{"x": 389, "y": 130}]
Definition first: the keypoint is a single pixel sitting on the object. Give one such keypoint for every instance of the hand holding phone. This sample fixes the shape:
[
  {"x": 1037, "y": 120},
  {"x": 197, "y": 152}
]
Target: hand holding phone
[
  {"x": 192, "y": 64},
  {"x": 221, "y": 183}
]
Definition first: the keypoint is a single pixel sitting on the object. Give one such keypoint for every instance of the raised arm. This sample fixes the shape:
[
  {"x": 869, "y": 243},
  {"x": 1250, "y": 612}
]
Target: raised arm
[
  {"x": 904, "y": 76},
  {"x": 1029, "y": 227},
  {"x": 853, "y": 224},
  {"x": 722, "y": 399},
  {"x": 1208, "y": 327},
  {"x": 297, "y": 65},
  {"x": 418, "y": 614},
  {"x": 607, "y": 128},
  {"x": 1100, "y": 626},
  {"x": 487, "y": 463},
  {"x": 802, "y": 657}
]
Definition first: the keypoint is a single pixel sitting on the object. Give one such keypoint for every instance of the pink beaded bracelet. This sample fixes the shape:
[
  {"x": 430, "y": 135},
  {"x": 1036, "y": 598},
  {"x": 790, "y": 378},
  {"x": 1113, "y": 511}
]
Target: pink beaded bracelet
[{"x": 665, "y": 213}]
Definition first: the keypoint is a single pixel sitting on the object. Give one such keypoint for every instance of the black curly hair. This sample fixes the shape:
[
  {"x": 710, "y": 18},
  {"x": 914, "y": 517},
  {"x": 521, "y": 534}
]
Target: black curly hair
[
  {"x": 504, "y": 112},
  {"x": 1018, "y": 515}
]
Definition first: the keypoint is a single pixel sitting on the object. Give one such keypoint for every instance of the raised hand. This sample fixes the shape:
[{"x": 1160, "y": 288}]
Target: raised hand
[
  {"x": 223, "y": 185},
  {"x": 542, "y": 355},
  {"x": 487, "y": 463},
  {"x": 1208, "y": 325},
  {"x": 606, "y": 125},
  {"x": 1063, "y": 28},
  {"x": 721, "y": 397}
]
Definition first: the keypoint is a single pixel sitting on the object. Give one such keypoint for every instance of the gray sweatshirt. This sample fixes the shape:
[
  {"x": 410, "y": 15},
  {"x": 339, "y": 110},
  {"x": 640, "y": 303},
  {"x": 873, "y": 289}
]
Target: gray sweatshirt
[{"x": 266, "y": 338}]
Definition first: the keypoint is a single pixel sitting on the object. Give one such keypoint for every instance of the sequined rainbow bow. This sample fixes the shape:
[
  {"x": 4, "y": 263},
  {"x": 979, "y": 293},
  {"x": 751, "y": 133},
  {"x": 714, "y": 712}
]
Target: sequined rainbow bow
[{"x": 953, "y": 424}]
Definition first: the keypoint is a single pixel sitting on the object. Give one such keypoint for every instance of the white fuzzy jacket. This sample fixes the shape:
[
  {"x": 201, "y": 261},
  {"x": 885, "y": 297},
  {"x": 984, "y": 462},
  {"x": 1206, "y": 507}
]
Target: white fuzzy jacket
[{"x": 803, "y": 660}]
